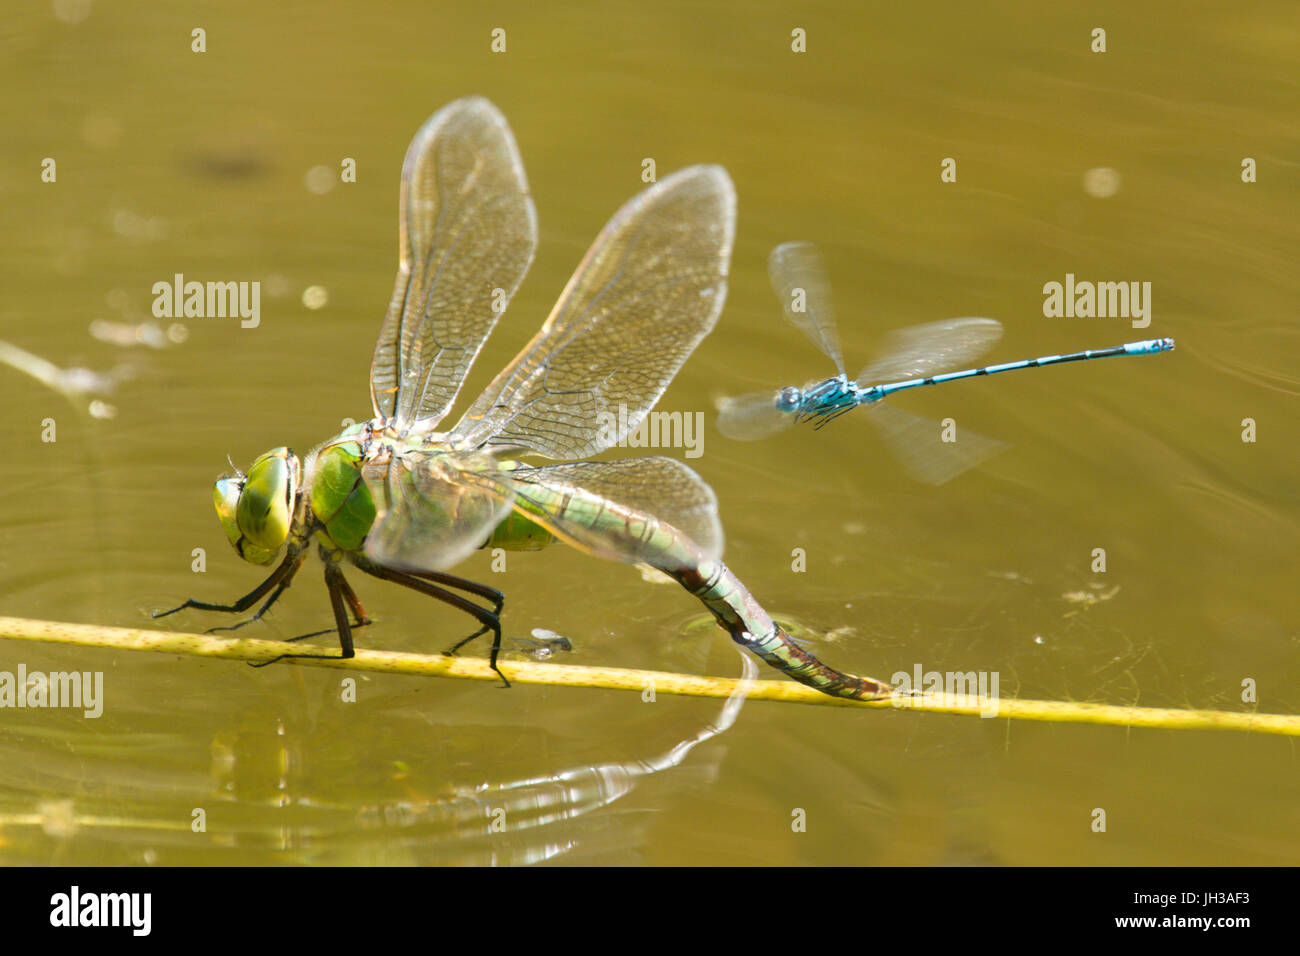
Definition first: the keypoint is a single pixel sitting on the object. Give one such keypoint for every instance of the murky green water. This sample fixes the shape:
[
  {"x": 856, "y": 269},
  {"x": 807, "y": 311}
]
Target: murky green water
[{"x": 170, "y": 161}]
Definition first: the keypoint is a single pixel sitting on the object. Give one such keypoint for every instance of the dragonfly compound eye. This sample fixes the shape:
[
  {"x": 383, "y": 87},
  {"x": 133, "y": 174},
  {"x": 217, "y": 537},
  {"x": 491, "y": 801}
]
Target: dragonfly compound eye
[
  {"x": 256, "y": 510},
  {"x": 788, "y": 399}
]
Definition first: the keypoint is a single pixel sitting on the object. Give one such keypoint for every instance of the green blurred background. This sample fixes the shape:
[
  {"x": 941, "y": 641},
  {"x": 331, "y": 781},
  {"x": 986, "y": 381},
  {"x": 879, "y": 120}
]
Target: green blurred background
[{"x": 172, "y": 161}]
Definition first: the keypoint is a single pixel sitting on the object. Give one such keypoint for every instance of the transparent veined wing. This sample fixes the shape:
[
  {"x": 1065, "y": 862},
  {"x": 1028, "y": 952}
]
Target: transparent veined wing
[
  {"x": 753, "y": 416},
  {"x": 627, "y": 510},
  {"x": 918, "y": 443},
  {"x": 434, "y": 509},
  {"x": 649, "y": 289},
  {"x": 799, "y": 279},
  {"x": 926, "y": 349},
  {"x": 439, "y": 507},
  {"x": 467, "y": 231}
]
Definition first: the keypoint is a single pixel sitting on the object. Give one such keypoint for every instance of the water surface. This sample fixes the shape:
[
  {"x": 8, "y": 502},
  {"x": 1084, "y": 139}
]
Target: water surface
[{"x": 171, "y": 161}]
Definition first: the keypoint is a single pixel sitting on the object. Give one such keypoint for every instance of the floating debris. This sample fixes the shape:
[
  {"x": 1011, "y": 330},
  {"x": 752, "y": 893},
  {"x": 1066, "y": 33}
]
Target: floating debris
[
  {"x": 1101, "y": 182},
  {"x": 58, "y": 818},
  {"x": 130, "y": 334},
  {"x": 132, "y": 225},
  {"x": 1010, "y": 576},
  {"x": 315, "y": 297},
  {"x": 838, "y": 634},
  {"x": 543, "y": 645},
  {"x": 1086, "y": 599},
  {"x": 319, "y": 180}
]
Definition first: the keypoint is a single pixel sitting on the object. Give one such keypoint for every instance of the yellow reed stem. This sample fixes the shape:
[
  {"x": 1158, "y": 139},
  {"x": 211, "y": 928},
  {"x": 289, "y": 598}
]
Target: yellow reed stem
[{"x": 615, "y": 678}]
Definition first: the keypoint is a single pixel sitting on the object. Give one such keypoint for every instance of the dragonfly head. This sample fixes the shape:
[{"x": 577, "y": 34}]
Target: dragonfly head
[
  {"x": 256, "y": 509},
  {"x": 789, "y": 399}
]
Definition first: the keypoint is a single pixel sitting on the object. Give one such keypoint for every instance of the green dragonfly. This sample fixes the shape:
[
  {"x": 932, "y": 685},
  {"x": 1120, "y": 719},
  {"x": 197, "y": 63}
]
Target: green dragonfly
[{"x": 403, "y": 502}]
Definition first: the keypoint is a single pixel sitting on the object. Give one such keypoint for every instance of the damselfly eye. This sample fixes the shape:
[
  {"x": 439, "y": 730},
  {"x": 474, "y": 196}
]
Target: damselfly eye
[{"x": 789, "y": 399}]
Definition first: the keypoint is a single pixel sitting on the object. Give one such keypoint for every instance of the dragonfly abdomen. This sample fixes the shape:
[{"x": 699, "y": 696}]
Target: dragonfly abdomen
[
  {"x": 749, "y": 625},
  {"x": 517, "y": 532}
]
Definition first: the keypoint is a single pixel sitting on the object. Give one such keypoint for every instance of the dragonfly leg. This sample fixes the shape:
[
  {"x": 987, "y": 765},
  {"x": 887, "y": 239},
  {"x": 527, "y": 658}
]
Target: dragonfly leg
[
  {"x": 266, "y": 606},
  {"x": 827, "y": 418},
  {"x": 355, "y": 625},
  {"x": 490, "y": 620},
  {"x": 360, "y": 619},
  {"x": 497, "y": 598},
  {"x": 354, "y": 602},
  {"x": 280, "y": 579},
  {"x": 341, "y": 595}
]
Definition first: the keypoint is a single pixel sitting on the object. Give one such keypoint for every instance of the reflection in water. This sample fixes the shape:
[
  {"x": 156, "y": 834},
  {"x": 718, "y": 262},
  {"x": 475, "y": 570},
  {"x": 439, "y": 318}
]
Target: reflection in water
[
  {"x": 76, "y": 383},
  {"x": 71, "y": 383},
  {"x": 277, "y": 790},
  {"x": 521, "y": 821}
]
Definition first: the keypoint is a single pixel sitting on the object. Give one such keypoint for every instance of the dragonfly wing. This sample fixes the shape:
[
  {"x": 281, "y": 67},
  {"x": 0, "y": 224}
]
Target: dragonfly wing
[
  {"x": 467, "y": 231},
  {"x": 918, "y": 443},
  {"x": 647, "y": 292},
  {"x": 634, "y": 509},
  {"x": 799, "y": 279},
  {"x": 752, "y": 416},
  {"x": 926, "y": 349},
  {"x": 434, "y": 508}
]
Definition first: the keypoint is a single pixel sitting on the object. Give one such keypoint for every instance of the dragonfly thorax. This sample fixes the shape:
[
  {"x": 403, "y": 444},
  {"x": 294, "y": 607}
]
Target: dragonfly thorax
[
  {"x": 828, "y": 398},
  {"x": 256, "y": 509}
]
